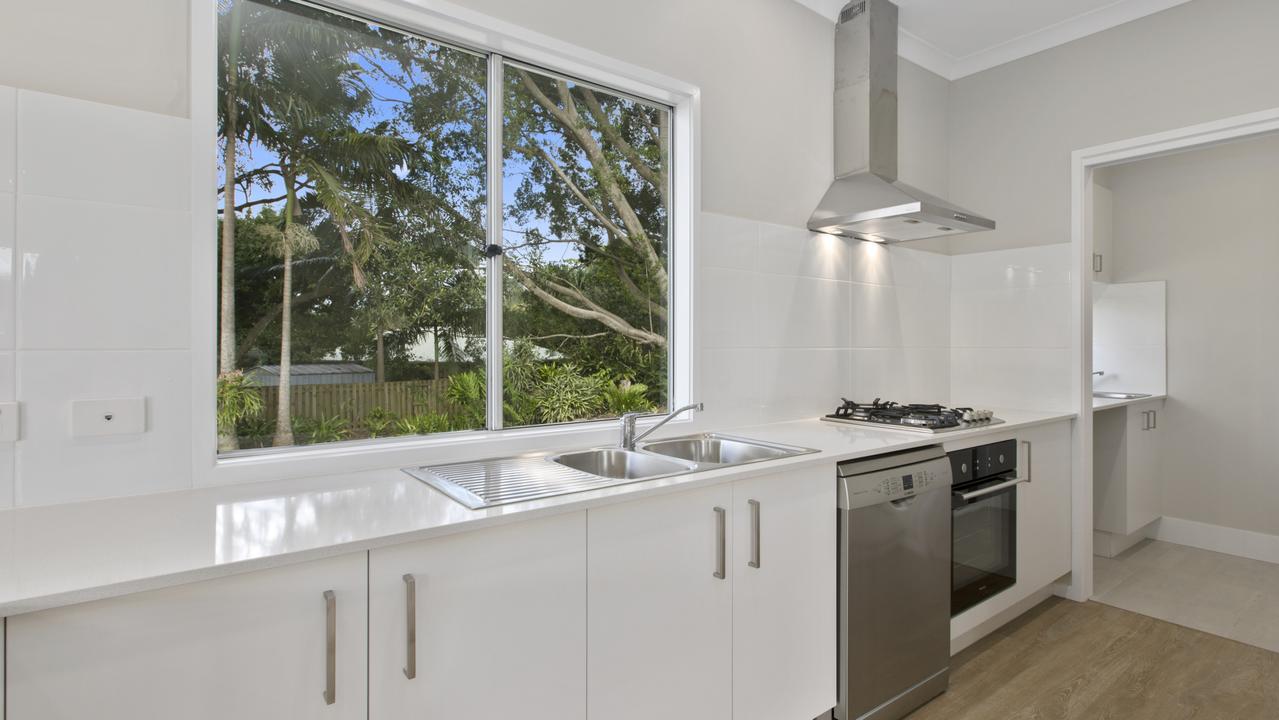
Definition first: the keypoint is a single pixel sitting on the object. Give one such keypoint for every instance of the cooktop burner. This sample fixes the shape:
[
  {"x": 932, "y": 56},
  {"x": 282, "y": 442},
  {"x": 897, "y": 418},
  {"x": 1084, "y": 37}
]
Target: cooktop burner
[{"x": 913, "y": 417}]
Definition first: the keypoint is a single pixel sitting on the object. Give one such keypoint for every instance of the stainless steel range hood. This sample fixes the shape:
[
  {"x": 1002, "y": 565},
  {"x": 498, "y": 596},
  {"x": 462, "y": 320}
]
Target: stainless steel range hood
[{"x": 867, "y": 201}]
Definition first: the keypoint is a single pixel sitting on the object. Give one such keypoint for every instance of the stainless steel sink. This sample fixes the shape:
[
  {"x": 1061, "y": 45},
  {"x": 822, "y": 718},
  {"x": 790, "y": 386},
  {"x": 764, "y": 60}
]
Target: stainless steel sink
[
  {"x": 713, "y": 449},
  {"x": 619, "y": 464},
  {"x": 1120, "y": 396}
]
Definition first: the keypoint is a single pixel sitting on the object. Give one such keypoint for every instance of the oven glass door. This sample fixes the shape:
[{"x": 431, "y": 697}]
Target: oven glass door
[{"x": 984, "y": 544}]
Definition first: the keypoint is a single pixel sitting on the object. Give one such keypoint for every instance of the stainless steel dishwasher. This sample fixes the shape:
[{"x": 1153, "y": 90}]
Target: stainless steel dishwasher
[{"x": 894, "y": 583}]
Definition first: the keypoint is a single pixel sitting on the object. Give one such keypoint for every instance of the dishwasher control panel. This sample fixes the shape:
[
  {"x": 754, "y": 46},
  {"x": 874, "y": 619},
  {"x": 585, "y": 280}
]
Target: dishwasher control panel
[{"x": 879, "y": 484}]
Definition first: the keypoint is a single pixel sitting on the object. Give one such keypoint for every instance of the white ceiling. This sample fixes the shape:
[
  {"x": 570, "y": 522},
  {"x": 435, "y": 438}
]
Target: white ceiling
[{"x": 954, "y": 39}]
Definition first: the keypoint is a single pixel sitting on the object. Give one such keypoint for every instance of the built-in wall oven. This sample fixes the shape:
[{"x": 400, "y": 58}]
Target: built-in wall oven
[{"x": 983, "y": 523}]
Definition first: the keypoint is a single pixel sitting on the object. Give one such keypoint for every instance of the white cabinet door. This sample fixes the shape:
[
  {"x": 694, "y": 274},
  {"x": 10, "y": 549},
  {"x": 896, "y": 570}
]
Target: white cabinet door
[
  {"x": 1103, "y": 232},
  {"x": 660, "y": 626},
  {"x": 246, "y": 646},
  {"x": 784, "y": 595},
  {"x": 1144, "y": 495},
  {"x": 1043, "y": 505},
  {"x": 500, "y": 618}
]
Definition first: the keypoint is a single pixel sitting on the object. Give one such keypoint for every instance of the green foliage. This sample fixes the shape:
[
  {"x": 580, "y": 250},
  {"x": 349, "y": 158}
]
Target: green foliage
[
  {"x": 624, "y": 397},
  {"x": 255, "y": 431},
  {"x": 424, "y": 424},
  {"x": 321, "y": 430},
  {"x": 466, "y": 393},
  {"x": 378, "y": 421},
  {"x": 238, "y": 401},
  {"x": 565, "y": 394}
]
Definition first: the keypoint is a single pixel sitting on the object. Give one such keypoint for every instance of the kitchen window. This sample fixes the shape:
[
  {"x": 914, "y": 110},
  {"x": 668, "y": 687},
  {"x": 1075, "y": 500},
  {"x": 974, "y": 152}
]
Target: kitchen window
[{"x": 418, "y": 238}]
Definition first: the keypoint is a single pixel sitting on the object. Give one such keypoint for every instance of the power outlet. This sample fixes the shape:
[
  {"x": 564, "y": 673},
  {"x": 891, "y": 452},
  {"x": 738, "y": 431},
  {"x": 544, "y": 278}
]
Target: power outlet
[
  {"x": 96, "y": 418},
  {"x": 9, "y": 421}
]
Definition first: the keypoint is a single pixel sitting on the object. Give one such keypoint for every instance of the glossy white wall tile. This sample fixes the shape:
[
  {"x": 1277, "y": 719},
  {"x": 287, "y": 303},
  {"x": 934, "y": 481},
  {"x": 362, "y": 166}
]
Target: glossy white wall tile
[
  {"x": 1010, "y": 328},
  {"x": 799, "y": 311},
  {"x": 730, "y": 386},
  {"x": 6, "y": 449},
  {"x": 97, "y": 276},
  {"x": 83, "y": 150},
  {"x": 799, "y": 252},
  {"x": 1018, "y": 378},
  {"x": 53, "y": 467},
  {"x": 803, "y": 382},
  {"x": 8, "y": 138},
  {"x": 1130, "y": 336},
  {"x": 8, "y": 276},
  {"x": 728, "y": 242},
  {"x": 727, "y": 307}
]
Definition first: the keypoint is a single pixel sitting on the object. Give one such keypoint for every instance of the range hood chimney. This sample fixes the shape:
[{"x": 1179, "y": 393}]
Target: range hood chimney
[{"x": 867, "y": 201}]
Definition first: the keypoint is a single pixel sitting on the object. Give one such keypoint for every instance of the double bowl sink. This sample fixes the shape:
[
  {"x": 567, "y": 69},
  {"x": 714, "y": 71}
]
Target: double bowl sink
[{"x": 499, "y": 481}]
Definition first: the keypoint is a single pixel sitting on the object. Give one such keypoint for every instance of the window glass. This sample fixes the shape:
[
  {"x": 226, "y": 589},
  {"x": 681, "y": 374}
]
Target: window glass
[
  {"x": 586, "y": 198},
  {"x": 350, "y": 233}
]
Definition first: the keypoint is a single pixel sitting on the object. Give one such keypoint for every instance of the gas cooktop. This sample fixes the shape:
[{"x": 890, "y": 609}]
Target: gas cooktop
[{"x": 914, "y": 418}]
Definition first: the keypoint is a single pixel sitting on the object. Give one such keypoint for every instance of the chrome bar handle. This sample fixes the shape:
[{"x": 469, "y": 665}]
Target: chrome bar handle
[
  {"x": 1154, "y": 419},
  {"x": 410, "y": 618},
  {"x": 330, "y": 647},
  {"x": 992, "y": 489},
  {"x": 721, "y": 542},
  {"x": 754, "y": 505},
  {"x": 1030, "y": 460}
]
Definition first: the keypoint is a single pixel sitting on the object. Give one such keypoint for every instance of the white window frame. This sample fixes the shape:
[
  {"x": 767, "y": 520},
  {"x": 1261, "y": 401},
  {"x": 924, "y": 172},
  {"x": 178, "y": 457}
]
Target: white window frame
[{"x": 466, "y": 28}]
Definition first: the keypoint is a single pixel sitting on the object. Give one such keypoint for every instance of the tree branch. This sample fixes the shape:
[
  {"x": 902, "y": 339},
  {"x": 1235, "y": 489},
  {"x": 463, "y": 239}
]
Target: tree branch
[
  {"x": 654, "y": 177},
  {"x": 591, "y": 312}
]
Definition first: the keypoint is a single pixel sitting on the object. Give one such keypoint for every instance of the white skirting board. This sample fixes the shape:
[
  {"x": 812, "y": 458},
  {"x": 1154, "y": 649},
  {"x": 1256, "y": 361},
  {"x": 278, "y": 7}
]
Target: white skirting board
[{"x": 1232, "y": 541}]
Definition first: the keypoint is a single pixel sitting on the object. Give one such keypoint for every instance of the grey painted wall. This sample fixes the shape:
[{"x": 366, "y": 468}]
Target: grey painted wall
[
  {"x": 1013, "y": 127},
  {"x": 1201, "y": 220}
]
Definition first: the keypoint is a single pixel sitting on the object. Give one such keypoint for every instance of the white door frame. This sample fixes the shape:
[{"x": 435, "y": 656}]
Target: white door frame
[{"x": 1082, "y": 165}]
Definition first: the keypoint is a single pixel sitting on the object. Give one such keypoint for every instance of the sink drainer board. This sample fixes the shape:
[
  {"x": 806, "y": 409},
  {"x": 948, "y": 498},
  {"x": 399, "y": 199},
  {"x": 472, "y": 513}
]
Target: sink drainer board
[{"x": 485, "y": 483}]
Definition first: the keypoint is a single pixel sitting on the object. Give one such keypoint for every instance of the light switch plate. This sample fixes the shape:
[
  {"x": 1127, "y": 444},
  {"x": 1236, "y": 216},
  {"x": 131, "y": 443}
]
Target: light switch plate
[
  {"x": 9, "y": 421},
  {"x": 120, "y": 416}
]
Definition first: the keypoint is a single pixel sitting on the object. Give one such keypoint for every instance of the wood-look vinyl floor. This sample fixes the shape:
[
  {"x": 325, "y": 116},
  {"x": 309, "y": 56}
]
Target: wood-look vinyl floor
[{"x": 1087, "y": 661}]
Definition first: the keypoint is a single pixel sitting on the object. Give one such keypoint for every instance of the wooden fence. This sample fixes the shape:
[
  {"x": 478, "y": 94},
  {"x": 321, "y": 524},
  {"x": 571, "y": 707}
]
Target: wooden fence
[{"x": 354, "y": 401}]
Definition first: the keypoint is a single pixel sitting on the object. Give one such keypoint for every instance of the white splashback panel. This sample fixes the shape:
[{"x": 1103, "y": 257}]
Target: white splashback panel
[{"x": 1129, "y": 331}]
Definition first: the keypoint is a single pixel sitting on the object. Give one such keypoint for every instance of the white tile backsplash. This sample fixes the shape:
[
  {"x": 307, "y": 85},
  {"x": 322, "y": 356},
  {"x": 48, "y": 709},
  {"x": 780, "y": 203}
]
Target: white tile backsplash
[
  {"x": 8, "y": 139},
  {"x": 6, "y": 449},
  {"x": 1011, "y": 317},
  {"x": 799, "y": 311},
  {"x": 728, "y": 242},
  {"x": 799, "y": 252},
  {"x": 100, "y": 276},
  {"x": 53, "y": 467},
  {"x": 816, "y": 318},
  {"x": 1020, "y": 267},
  {"x": 83, "y": 150},
  {"x": 8, "y": 275},
  {"x": 1016, "y": 378}
]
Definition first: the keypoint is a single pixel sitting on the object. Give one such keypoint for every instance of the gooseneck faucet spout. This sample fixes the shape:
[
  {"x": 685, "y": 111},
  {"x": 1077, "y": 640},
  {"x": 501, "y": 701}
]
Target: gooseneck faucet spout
[{"x": 629, "y": 438}]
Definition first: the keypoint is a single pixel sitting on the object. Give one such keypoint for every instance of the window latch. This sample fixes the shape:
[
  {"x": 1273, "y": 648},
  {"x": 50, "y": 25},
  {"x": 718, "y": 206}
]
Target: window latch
[{"x": 492, "y": 251}]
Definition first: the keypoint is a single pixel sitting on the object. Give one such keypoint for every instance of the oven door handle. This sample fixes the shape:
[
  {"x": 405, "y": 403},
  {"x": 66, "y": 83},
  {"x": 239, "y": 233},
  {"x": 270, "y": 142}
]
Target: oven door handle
[{"x": 970, "y": 496}]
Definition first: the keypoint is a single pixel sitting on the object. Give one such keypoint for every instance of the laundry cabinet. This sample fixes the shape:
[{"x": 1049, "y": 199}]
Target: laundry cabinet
[
  {"x": 286, "y": 644},
  {"x": 1127, "y": 493},
  {"x": 488, "y": 623},
  {"x": 716, "y": 603}
]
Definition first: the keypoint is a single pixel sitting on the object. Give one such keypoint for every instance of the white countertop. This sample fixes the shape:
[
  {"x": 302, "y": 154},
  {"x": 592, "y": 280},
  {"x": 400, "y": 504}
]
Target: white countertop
[
  {"x": 63, "y": 554},
  {"x": 1109, "y": 403}
]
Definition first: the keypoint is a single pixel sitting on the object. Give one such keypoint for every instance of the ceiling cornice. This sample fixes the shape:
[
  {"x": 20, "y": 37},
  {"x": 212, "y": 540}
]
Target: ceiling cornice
[{"x": 930, "y": 57}]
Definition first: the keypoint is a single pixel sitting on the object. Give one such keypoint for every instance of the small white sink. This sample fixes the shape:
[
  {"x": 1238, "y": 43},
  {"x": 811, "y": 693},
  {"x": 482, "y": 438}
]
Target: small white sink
[{"x": 1120, "y": 396}]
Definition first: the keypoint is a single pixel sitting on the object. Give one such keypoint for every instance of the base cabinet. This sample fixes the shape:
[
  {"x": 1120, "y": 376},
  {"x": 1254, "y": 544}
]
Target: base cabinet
[
  {"x": 246, "y": 646},
  {"x": 1043, "y": 506},
  {"x": 784, "y": 595},
  {"x": 660, "y": 619},
  {"x": 483, "y": 624},
  {"x": 715, "y": 603},
  {"x": 1126, "y": 489}
]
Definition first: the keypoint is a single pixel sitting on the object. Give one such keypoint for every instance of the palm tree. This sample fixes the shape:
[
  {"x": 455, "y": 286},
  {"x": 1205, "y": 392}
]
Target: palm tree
[{"x": 295, "y": 238}]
